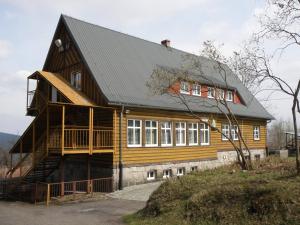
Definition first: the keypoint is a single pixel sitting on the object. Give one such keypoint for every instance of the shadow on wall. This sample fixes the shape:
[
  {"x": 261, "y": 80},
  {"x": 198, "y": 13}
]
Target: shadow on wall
[{"x": 76, "y": 167}]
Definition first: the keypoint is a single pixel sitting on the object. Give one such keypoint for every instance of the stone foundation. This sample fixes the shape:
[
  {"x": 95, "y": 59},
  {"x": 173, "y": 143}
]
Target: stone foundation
[{"x": 138, "y": 174}]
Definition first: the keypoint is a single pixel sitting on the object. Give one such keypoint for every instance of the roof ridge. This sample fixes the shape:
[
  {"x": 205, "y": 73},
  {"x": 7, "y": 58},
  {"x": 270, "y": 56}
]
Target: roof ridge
[{"x": 130, "y": 35}]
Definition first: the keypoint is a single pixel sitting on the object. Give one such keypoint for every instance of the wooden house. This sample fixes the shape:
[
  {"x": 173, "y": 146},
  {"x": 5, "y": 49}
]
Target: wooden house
[{"x": 94, "y": 116}]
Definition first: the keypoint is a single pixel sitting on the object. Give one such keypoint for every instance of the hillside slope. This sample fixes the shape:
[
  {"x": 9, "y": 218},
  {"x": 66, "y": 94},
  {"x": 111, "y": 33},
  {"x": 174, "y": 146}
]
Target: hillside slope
[
  {"x": 269, "y": 195},
  {"x": 7, "y": 140}
]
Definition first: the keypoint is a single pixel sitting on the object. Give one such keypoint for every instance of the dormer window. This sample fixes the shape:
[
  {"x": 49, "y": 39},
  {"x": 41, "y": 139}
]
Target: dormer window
[
  {"x": 76, "y": 80},
  {"x": 184, "y": 87},
  {"x": 210, "y": 92},
  {"x": 221, "y": 94},
  {"x": 229, "y": 96},
  {"x": 196, "y": 90}
]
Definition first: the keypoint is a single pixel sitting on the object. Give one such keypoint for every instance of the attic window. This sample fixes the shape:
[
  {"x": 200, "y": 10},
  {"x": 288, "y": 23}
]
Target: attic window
[
  {"x": 184, "y": 87},
  {"x": 76, "y": 79},
  {"x": 229, "y": 96}
]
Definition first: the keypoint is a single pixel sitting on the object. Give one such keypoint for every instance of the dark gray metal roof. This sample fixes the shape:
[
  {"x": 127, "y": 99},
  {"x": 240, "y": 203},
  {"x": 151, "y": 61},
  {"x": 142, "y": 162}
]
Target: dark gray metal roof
[{"x": 122, "y": 65}]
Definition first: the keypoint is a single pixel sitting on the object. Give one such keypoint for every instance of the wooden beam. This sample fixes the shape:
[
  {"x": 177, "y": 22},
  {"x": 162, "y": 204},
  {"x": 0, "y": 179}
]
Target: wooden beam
[
  {"x": 47, "y": 132},
  {"x": 62, "y": 176},
  {"x": 33, "y": 143},
  {"x": 63, "y": 130},
  {"x": 88, "y": 174},
  {"x": 115, "y": 130}
]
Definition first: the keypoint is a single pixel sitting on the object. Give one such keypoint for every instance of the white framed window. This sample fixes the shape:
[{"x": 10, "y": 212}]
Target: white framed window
[
  {"x": 151, "y": 129},
  {"x": 134, "y": 135},
  {"x": 229, "y": 96},
  {"x": 193, "y": 133},
  {"x": 194, "y": 168},
  {"x": 234, "y": 132},
  {"x": 210, "y": 92},
  {"x": 166, "y": 134},
  {"x": 76, "y": 79},
  {"x": 184, "y": 87},
  {"x": 151, "y": 175},
  {"x": 256, "y": 133},
  {"x": 204, "y": 134},
  {"x": 53, "y": 94},
  {"x": 180, "y": 171},
  {"x": 167, "y": 173},
  {"x": 225, "y": 132},
  {"x": 180, "y": 133},
  {"x": 196, "y": 89},
  {"x": 221, "y": 94}
]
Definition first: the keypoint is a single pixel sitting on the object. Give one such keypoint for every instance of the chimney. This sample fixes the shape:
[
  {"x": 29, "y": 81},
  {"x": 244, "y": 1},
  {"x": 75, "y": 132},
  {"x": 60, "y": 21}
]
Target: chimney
[{"x": 166, "y": 42}]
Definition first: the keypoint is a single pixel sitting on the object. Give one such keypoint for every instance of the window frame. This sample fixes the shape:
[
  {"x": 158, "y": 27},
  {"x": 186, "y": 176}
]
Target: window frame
[
  {"x": 182, "y": 91},
  {"x": 180, "y": 129},
  {"x": 211, "y": 90},
  {"x": 208, "y": 133},
  {"x": 227, "y": 96},
  {"x": 165, "y": 129},
  {"x": 74, "y": 80},
  {"x": 151, "y": 128},
  {"x": 193, "y": 129},
  {"x": 169, "y": 173},
  {"x": 224, "y": 138},
  {"x": 193, "y": 90},
  {"x": 256, "y": 138},
  {"x": 140, "y": 127},
  {"x": 149, "y": 177},
  {"x": 180, "y": 174},
  {"x": 234, "y": 133}
]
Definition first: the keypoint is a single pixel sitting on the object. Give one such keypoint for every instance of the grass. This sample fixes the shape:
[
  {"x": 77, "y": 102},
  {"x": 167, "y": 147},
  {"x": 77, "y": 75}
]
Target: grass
[{"x": 270, "y": 194}]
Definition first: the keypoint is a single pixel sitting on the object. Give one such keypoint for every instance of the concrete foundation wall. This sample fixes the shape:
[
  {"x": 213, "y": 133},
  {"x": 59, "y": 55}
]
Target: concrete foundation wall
[{"x": 138, "y": 174}]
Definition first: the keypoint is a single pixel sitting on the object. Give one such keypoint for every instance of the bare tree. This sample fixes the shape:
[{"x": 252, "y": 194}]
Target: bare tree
[
  {"x": 163, "y": 82},
  {"x": 276, "y": 133}
]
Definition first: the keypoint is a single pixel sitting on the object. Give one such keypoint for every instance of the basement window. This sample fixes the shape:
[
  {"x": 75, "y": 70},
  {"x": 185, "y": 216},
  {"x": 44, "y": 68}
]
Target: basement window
[
  {"x": 180, "y": 171},
  {"x": 151, "y": 175},
  {"x": 194, "y": 168},
  {"x": 167, "y": 173},
  {"x": 76, "y": 80}
]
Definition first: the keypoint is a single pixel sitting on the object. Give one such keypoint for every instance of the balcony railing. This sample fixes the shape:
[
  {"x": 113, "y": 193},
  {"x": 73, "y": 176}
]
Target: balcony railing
[{"x": 78, "y": 139}]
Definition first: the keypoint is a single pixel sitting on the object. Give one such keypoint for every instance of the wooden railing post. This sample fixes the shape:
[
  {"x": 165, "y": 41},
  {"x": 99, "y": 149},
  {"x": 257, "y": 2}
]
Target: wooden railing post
[
  {"x": 63, "y": 130},
  {"x": 91, "y": 129},
  {"x": 48, "y": 194},
  {"x": 47, "y": 131},
  {"x": 21, "y": 155},
  {"x": 74, "y": 189}
]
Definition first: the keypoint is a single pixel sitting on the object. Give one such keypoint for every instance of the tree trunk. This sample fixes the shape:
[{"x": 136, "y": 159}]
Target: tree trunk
[{"x": 296, "y": 134}]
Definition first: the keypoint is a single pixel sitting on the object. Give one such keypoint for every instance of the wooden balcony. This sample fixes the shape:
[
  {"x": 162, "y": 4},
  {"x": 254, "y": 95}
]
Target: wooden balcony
[{"x": 78, "y": 139}]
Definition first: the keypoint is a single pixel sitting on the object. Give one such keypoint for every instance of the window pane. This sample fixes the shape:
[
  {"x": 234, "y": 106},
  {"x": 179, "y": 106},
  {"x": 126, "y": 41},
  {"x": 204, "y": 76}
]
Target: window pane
[
  {"x": 130, "y": 136},
  {"x": 148, "y": 137},
  {"x": 137, "y": 123},
  {"x": 169, "y": 137},
  {"x": 148, "y": 124},
  {"x": 137, "y": 136},
  {"x": 130, "y": 123}
]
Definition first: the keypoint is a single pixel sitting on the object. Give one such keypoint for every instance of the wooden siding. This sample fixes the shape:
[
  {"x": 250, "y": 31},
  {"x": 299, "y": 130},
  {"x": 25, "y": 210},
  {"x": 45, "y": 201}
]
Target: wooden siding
[
  {"x": 148, "y": 155},
  {"x": 70, "y": 61}
]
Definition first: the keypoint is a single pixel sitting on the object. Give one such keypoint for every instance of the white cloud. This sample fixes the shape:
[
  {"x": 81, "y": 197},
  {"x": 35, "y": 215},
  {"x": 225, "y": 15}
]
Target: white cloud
[{"x": 5, "y": 49}]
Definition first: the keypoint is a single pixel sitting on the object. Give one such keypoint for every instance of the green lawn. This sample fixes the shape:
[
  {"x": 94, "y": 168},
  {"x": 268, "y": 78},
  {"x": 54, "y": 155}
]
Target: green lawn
[{"x": 270, "y": 194}]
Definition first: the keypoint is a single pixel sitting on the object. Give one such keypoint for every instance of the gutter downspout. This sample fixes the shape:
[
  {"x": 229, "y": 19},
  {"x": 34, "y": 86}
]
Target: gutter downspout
[{"x": 120, "y": 150}]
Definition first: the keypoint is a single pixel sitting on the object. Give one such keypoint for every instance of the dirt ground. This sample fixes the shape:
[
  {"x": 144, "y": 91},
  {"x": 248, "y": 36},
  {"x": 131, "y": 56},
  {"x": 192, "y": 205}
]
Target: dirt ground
[{"x": 102, "y": 212}]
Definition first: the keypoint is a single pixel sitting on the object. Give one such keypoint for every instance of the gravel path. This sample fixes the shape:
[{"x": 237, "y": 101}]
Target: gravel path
[{"x": 139, "y": 192}]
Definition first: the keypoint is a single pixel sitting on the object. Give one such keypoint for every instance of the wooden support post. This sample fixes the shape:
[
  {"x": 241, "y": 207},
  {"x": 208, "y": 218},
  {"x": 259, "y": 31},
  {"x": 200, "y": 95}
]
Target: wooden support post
[
  {"x": 74, "y": 189},
  {"x": 63, "y": 130},
  {"x": 88, "y": 174},
  {"x": 47, "y": 131},
  {"x": 21, "y": 156},
  {"x": 62, "y": 177},
  {"x": 115, "y": 131},
  {"x": 33, "y": 144},
  {"x": 48, "y": 195},
  {"x": 91, "y": 129}
]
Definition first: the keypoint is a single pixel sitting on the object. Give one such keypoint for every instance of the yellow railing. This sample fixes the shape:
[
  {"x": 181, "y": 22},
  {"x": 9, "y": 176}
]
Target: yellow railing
[{"x": 78, "y": 138}]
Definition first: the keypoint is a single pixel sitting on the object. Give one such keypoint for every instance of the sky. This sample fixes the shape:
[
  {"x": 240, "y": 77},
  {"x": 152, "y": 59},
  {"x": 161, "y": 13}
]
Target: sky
[{"x": 27, "y": 28}]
